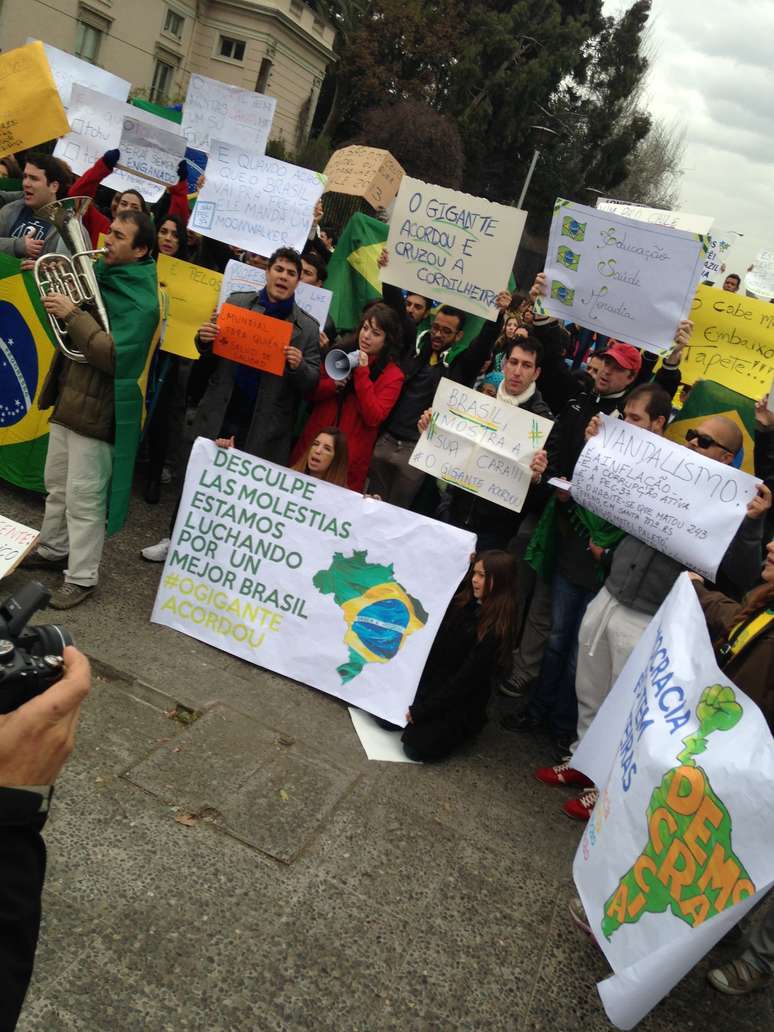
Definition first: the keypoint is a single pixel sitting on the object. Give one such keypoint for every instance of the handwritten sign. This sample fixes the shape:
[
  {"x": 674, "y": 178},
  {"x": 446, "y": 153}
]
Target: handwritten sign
[
  {"x": 216, "y": 111},
  {"x": 152, "y": 149},
  {"x": 481, "y": 444},
  {"x": 619, "y": 276},
  {"x": 255, "y": 202},
  {"x": 315, "y": 301},
  {"x": 252, "y": 339},
  {"x": 97, "y": 125},
  {"x": 732, "y": 342},
  {"x": 68, "y": 70},
  {"x": 719, "y": 245},
  {"x": 367, "y": 172},
  {"x": 193, "y": 297},
  {"x": 759, "y": 281},
  {"x": 657, "y": 216},
  {"x": 16, "y": 541},
  {"x": 30, "y": 109},
  {"x": 451, "y": 246},
  {"x": 669, "y": 496}
]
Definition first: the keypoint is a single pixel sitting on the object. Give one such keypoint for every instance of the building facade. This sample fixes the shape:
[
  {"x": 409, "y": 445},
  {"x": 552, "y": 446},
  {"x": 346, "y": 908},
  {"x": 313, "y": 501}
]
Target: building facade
[{"x": 278, "y": 47}]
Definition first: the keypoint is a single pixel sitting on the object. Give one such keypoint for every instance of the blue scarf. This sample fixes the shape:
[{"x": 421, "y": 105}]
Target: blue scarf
[{"x": 246, "y": 378}]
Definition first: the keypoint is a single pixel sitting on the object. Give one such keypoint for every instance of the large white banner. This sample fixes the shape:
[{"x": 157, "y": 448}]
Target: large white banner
[
  {"x": 681, "y": 842},
  {"x": 313, "y": 581},
  {"x": 97, "y": 124},
  {"x": 216, "y": 111},
  {"x": 69, "y": 70},
  {"x": 315, "y": 301},
  {"x": 619, "y": 276},
  {"x": 481, "y": 444},
  {"x": 452, "y": 247},
  {"x": 255, "y": 202},
  {"x": 672, "y": 498},
  {"x": 657, "y": 216}
]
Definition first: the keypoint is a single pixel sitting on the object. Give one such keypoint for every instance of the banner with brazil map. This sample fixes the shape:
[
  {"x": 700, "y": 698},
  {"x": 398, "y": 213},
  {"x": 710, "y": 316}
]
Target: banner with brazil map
[
  {"x": 26, "y": 352},
  {"x": 680, "y": 845},
  {"x": 313, "y": 581}
]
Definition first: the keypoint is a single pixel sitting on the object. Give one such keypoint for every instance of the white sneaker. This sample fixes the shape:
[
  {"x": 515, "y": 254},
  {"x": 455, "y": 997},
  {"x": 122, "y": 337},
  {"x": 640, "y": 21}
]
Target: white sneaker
[{"x": 156, "y": 553}]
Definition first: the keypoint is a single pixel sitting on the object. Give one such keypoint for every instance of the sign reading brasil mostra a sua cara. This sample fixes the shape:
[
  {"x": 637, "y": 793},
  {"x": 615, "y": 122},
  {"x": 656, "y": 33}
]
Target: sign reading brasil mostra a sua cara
[{"x": 307, "y": 579}]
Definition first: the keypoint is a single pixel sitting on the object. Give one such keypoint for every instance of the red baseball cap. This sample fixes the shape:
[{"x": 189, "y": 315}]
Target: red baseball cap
[{"x": 624, "y": 355}]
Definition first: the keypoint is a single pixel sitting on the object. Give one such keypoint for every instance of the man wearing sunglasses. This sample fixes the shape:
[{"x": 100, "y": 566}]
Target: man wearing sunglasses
[{"x": 717, "y": 437}]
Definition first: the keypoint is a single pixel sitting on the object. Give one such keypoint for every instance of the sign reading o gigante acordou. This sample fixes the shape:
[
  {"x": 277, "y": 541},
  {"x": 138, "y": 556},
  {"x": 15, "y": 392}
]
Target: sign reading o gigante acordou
[{"x": 307, "y": 579}]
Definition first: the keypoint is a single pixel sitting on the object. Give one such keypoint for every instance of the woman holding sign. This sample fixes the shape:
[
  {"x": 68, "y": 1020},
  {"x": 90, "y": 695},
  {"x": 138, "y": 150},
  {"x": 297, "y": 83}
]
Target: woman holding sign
[{"x": 359, "y": 403}]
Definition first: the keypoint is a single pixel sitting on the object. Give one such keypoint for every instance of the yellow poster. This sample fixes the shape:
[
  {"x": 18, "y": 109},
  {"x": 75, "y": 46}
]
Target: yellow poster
[
  {"x": 31, "y": 111},
  {"x": 193, "y": 297},
  {"x": 732, "y": 342}
]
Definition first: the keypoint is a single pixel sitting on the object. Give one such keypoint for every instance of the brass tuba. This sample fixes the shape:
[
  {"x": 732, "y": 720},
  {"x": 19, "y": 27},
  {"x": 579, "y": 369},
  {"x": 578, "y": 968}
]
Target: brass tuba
[{"x": 73, "y": 274}]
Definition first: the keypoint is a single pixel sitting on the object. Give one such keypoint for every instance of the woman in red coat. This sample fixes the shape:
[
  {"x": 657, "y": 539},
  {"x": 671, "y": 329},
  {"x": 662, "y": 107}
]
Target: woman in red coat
[{"x": 361, "y": 403}]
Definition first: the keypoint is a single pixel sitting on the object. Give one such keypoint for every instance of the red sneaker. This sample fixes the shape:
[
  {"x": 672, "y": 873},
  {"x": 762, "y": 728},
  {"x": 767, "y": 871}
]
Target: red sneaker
[
  {"x": 563, "y": 774},
  {"x": 580, "y": 809}
]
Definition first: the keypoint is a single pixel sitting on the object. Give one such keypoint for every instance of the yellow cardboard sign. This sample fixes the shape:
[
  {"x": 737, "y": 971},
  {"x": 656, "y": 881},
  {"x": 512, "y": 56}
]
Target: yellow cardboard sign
[
  {"x": 193, "y": 297},
  {"x": 732, "y": 342},
  {"x": 31, "y": 111}
]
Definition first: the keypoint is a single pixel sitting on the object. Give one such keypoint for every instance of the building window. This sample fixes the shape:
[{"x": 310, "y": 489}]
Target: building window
[
  {"x": 87, "y": 41},
  {"x": 296, "y": 7},
  {"x": 232, "y": 49},
  {"x": 162, "y": 82},
  {"x": 263, "y": 76},
  {"x": 173, "y": 23},
  {"x": 319, "y": 25}
]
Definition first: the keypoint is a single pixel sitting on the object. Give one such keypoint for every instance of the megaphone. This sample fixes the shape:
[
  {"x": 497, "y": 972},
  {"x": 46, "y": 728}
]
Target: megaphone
[{"x": 339, "y": 364}]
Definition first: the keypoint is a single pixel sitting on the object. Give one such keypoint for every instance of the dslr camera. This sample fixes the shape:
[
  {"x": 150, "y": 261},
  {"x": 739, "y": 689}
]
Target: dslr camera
[{"x": 31, "y": 658}]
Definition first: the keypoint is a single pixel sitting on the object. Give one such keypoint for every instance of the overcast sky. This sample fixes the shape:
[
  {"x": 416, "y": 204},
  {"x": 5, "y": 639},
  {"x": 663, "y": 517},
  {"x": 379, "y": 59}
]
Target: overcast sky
[{"x": 712, "y": 74}]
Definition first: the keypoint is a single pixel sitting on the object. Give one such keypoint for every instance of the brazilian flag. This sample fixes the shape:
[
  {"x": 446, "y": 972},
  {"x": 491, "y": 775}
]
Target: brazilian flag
[
  {"x": 353, "y": 276},
  {"x": 713, "y": 399},
  {"x": 26, "y": 353}
]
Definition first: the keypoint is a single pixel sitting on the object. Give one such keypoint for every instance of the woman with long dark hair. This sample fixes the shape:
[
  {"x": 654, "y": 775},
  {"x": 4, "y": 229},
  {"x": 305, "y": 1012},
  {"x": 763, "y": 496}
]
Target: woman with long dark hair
[
  {"x": 474, "y": 639},
  {"x": 361, "y": 403},
  {"x": 327, "y": 457},
  {"x": 172, "y": 238}
]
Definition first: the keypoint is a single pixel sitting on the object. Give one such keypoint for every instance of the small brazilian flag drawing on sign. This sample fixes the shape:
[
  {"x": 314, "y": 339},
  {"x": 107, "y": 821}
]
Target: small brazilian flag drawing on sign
[
  {"x": 562, "y": 293},
  {"x": 567, "y": 257},
  {"x": 573, "y": 229}
]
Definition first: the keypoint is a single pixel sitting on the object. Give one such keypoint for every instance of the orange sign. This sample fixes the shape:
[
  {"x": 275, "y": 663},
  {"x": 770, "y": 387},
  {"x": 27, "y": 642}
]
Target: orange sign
[{"x": 252, "y": 339}]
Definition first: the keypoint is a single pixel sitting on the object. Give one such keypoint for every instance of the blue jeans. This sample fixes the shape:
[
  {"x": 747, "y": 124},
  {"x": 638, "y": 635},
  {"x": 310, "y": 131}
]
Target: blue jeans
[{"x": 552, "y": 699}]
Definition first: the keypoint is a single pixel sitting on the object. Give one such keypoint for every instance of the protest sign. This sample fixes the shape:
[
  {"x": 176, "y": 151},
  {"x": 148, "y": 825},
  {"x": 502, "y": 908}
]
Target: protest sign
[
  {"x": 30, "y": 109},
  {"x": 252, "y": 339},
  {"x": 193, "y": 297},
  {"x": 732, "y": 342},
  {"x": 216, "y": 111},
  {"x": 255, "y": 202},
  {"x": 97, "y": 125},
  {"x": 452, "y": 247},
  {"x": 307, "y": 579},
  {"x": 656, "y": 216},
  {"x": 315, "y": 301},
  {"x": 719, "y": 244},
  {"x": 681, "y": 842},
  {"x": 759, "y": 281},
  {"x": 67, "y": 70},
  {"x": 367, "y": 172},
  {"x": 481, "y": 444},
  {"x": 16, "y": 541},
  {"x": 669, "y": 496},
  {"x": 621, "y": 277},
  {"x": 151, "y": 149}
]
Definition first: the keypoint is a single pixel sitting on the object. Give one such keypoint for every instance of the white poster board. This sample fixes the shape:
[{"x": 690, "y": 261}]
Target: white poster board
[
  {"x": 681, "y": 843},
  {"x": 68, "y": 70},
  {"x": 16, "y": 541},
  {"x": 315, "y": 301},
  {"x": 216, "y": 110},
  {"x": 151, "y": 148},
  {"x": 452, "y": 247},
  {"x": 720, "y": 243},
  {"x": 669, "y": 496},
  {"x": 97, "y": 124},
  {"x": 759, "y": 282},
  {"x": 657, "y": 216},
  {"x": 627, "y": 279},
  {"x": 307, "y": 579},
  {"x": 481, "y": 444},
  {"x": 255, "y": 202}
]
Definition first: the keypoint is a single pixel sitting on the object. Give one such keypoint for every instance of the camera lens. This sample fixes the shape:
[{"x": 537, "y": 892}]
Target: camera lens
[{"x": 47, "y": 639}]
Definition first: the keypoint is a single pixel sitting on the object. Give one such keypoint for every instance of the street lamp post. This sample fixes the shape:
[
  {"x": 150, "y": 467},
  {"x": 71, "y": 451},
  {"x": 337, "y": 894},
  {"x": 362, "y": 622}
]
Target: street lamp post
[{"x": 542, "y": 135}]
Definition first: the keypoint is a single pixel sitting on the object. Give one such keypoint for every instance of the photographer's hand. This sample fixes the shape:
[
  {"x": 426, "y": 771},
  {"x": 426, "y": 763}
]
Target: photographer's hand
[{"x": 37, "y": 738}]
